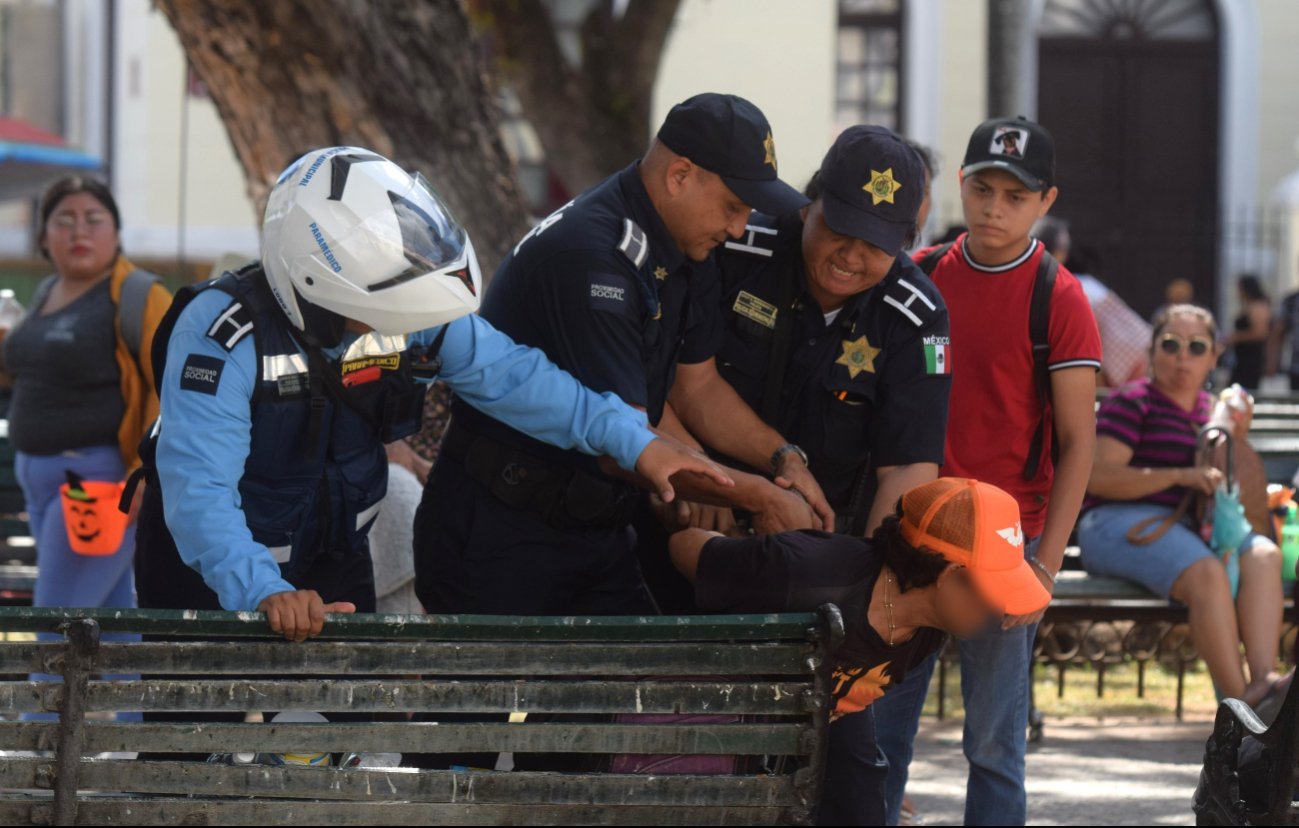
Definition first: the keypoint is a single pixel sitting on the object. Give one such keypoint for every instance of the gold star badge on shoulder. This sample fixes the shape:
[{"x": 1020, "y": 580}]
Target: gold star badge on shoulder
[
  {"x": 858, "y": 356},
  {"x": 882, "y": 186},
  {"x": 769, "y": 144},
  {"x": 661, "y": 273}
]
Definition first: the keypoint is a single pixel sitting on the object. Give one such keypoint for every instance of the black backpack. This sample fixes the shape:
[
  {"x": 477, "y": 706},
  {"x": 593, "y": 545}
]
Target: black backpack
[{"x": 1039, "y": 324}]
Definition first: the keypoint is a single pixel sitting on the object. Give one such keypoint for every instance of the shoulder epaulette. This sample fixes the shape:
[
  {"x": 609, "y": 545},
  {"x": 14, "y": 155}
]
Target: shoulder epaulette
[
  {"x": 634, "y": 245},
  {"x": 910, "y": 300},
  {"x": 230, "y": 328},
  {"x": 756, "y": 241}
]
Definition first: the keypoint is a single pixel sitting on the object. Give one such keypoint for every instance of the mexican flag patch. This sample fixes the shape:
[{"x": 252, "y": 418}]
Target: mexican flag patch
[{"x": 938, "y": 354}]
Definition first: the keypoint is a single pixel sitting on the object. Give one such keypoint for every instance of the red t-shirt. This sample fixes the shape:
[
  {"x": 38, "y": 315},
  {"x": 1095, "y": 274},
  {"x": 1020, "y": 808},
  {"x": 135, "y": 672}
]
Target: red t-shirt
[{"x": 994, "y": 402}]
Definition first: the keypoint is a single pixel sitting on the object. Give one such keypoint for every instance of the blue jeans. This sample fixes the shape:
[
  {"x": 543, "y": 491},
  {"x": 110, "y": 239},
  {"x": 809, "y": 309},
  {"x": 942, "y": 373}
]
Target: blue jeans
[
  {"x": 855, "y": 771},
  {"x": 64, "y": 578},
  {"x": 994, "y": 686}
]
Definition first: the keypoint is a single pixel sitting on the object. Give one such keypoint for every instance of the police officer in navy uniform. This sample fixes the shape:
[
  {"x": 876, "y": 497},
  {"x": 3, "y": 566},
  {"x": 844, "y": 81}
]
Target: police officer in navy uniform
[
  {"x": 607, "y": 286},
  {"x": 281, "y": 383},
  {"x": 836, "y": 336}
]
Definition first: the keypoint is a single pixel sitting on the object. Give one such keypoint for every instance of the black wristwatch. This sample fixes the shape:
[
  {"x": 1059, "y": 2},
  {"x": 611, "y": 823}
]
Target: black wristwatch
[{"x": 781, "y": 452}]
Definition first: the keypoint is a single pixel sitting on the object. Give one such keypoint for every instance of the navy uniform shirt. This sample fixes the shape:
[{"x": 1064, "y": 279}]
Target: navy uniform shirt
[
  {"x": 871, "y": 385},
  {"x": 603, "y": 290}
]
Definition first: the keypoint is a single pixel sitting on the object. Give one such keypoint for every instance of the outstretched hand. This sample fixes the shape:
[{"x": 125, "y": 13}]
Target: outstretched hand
[
  {"x": 299, "y": 615},
  {"x": 666, "y": 456}
]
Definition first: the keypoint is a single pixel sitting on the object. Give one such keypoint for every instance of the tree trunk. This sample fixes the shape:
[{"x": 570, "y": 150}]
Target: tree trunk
[
  {"x": 592, "y": 118},
  {"x": 403, "y": 79}
]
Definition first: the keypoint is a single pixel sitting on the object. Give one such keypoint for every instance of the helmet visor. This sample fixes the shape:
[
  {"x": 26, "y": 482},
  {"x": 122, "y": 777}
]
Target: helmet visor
[{"x": 431, "y": 239}]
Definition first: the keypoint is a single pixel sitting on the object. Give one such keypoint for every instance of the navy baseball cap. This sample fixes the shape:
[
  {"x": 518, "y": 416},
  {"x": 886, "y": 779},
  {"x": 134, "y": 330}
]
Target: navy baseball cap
[
  {"x": 1017, "y": 145},
  {"x": 727, "y": 135},
  {"x": 873, "y": 185}
]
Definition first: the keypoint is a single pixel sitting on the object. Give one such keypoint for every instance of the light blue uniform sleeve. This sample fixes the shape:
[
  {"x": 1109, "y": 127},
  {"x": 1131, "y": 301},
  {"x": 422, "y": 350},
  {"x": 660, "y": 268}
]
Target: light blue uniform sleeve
[
  {"x": 523, "y": 389},
  {"x": 202, "y": 446}
]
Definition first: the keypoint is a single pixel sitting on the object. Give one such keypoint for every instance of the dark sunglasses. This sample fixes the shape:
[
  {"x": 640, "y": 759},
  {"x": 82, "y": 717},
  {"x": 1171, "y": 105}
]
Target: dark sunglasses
[{"x": 1198, "y": 346}]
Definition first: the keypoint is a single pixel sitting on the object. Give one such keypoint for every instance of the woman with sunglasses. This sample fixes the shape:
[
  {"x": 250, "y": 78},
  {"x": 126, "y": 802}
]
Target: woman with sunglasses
[{"x": 1145, "y": 463}]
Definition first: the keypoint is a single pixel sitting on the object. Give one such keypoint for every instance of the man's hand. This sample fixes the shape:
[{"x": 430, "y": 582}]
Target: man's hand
[
  {"x": 666, "y": 456},
  {"x": 1012, "y": 621},
  {"x": 299, "y": 615},
  {"x": 793, "y": 474},
  {"x": 784, "y": 510},
  {"x": 685, "y": 514},
  {"x": 403, "y": 455}
]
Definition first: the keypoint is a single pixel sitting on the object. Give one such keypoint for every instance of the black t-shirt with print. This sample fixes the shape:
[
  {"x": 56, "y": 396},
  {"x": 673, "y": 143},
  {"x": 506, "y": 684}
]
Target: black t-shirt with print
[{"x": 798, "y": 572}]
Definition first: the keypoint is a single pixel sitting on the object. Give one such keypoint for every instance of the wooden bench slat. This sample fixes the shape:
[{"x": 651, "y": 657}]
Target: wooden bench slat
[
  {"x": 699, "y": 695},
  {"x": 135, "y": 811},
  {"x": 483, "y": 787},
  {"x": 421, "y": 737},
  {"x": 206, "y": 623},
  {"x": 424, "y": 658}
]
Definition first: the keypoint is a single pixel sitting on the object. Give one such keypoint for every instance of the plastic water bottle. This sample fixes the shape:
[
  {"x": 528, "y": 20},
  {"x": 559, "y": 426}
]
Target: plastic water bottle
[
  {"x": 11, "y": 310},
  {"x": 1290, "y": 544}
]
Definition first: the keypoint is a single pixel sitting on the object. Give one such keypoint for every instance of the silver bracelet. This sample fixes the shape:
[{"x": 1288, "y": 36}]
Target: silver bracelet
[{"x": 1042, "y": 566}]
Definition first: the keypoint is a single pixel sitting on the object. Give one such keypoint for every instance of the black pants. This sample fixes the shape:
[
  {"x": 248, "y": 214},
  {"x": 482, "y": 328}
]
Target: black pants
[
  {"x": 474, "y": 554},
  {"x": 853, "y": 792}
]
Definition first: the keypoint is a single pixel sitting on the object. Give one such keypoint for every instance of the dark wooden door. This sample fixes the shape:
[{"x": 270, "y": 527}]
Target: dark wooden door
[{"x": 1136, "y": 129}]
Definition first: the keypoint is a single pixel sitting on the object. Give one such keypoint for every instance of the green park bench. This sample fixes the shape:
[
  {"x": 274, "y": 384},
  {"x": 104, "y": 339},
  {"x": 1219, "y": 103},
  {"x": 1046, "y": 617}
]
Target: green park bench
[{"x": 756, "y": 686}]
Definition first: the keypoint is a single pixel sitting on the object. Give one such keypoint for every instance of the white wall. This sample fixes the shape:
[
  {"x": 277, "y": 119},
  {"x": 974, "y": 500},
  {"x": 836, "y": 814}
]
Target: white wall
[
  {"x": 150, "y": 85},
  {"x": 779, "y": 54}
]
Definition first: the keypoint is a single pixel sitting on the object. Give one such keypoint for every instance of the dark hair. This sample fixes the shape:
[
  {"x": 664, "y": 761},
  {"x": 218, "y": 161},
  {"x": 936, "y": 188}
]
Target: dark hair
[
  {"x": 926, "y": 156},
  {"x": 816, "y": 186},
  {"x": 71, "y": 185},
  {"x": 1251, "y": 287},
  {"x": 1166, "y": 315},
  {"x": 1050, "y": 231},
  {"x": 914, "y": 568}
]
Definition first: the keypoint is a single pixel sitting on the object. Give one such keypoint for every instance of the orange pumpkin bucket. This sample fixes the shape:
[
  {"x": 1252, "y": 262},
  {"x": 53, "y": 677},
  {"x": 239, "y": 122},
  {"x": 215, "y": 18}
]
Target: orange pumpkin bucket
[{"x": 95, "y": 525}]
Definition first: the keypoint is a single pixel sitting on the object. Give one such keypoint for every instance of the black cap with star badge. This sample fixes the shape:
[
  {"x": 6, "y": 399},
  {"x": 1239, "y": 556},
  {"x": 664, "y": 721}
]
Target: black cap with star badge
[
  {"x": 727, "y": 135},
  {"x": 1021, "y": 147},
  {"x": 874, "y": 184}
]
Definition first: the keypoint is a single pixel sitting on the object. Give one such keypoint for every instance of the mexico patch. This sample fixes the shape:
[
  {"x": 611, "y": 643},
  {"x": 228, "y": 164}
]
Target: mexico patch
[
  {"x": 938, "y": 355},
  {"x": 202, "y": 374}
]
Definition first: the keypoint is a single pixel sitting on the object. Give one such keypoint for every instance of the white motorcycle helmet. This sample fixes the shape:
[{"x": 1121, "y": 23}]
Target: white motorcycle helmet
[{"x": 349, "y": 234}]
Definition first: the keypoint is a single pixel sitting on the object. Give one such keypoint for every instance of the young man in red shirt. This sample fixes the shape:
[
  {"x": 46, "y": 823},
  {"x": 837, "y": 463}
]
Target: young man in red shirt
[{"x": 1002, "y": 430}]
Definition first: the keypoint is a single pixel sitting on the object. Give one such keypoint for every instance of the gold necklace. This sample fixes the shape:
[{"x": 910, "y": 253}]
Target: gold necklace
[{"x": 888, "y": 605}]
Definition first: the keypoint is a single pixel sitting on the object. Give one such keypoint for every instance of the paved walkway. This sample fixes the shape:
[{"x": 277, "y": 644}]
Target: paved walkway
[{"x": 1085, "y": 773}]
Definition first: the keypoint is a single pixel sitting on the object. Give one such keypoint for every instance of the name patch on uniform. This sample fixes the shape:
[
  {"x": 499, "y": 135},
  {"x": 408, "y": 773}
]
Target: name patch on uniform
[
  {"x": 369, "y": 369},
  {"x": 202, "y": 374},
  {"x": 608, "y": 292},
  {"x": 755, "y": 309}
]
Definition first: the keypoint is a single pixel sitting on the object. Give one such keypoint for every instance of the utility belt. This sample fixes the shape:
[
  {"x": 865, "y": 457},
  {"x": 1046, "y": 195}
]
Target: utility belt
[{"x": 563, "y": 496}]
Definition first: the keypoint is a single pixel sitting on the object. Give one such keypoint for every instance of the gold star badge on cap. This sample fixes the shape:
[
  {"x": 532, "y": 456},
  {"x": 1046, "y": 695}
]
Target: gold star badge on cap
[
  {"x": 769, "y": 144},
  {"x": 661, "y": 273},
  {"x": 882, "y": 186},
  {"x": 858, "y": 356}
]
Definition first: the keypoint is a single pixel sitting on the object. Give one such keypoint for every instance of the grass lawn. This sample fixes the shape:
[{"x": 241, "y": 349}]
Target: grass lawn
[{"x": 1119, "y": 699}]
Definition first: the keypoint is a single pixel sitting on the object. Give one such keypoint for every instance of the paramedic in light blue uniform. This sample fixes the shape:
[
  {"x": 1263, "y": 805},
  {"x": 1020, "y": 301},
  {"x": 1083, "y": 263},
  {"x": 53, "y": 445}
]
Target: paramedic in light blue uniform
[{"x": 282, "y": 382}]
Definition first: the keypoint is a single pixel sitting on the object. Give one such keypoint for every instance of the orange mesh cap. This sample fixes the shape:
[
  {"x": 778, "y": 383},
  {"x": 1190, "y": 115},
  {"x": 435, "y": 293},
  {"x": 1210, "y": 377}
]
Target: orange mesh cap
[{"x": 976, "y": 525}]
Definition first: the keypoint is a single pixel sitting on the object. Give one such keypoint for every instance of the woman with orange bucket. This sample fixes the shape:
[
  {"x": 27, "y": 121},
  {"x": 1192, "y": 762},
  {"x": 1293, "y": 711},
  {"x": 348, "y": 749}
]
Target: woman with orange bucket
[{"x": 83, "y": 396}]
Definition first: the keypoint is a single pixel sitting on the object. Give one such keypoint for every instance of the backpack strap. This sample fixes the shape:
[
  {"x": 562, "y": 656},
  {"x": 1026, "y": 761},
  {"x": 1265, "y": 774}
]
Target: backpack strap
[
  {"x": 131, "y": 307},
  {"x": 929, "y": 262},
  {"x": 1039, "y": 332}
]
